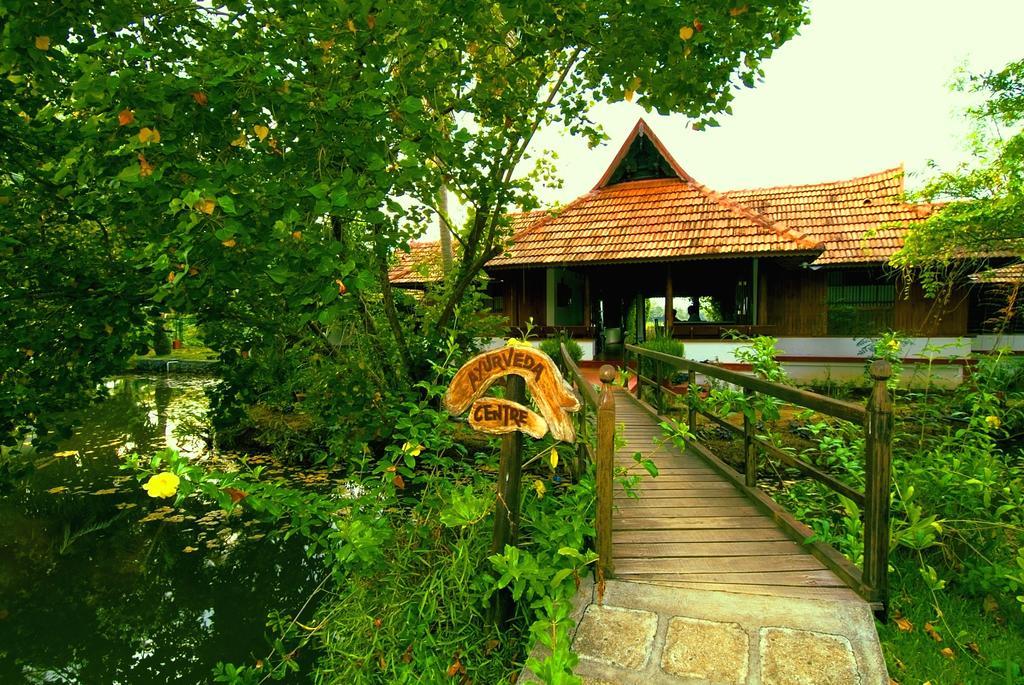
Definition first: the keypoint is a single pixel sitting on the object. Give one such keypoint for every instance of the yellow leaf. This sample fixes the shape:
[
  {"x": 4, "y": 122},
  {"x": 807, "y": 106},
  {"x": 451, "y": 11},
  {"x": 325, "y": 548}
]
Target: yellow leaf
[
  {"x": 947, "y": 652},
  {"x": 297, "y": 235},
  {"x": 190, "y": 549},
  {"x": 904, "y": 625},
  {"x": 68, "y": 453},
  {"x": 737, "y": 11},
  {"x": 206, "y": 206},
  {"x": 686, "y": 32},
  {"x": 29, "y": 351},
  {"x": 240, "y": 141},
  {"x": 145, "y": 168},
  {"x": 628, "y": 96},
  {"x": 230, "y": 242},
  {"x": 125, "y": 117},
  {"x": 261, "y": 131},
  {"x": 149, "y": 135},
  {"x": 57, "y": 490},
  {"x": 554, "y": 458},
  {"x": 351, "y": 25},
  {"x": 42, "y": 42},
  {"x": 932, "y": 633},
  {"x": 107, "y": 491}
]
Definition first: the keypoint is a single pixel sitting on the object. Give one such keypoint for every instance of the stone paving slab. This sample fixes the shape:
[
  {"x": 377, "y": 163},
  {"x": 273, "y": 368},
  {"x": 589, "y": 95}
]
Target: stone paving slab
[{"x": 646, "y": 634}]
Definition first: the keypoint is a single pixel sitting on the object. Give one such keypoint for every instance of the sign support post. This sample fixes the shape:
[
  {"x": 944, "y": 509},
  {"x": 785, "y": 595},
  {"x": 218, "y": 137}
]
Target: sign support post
[{"x": 506, "y": 511}]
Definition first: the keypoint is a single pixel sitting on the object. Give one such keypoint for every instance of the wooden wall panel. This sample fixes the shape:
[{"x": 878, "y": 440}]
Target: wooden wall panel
[
  {"x": 916, "y": 315},
  {"x": 794, "y": 301}
]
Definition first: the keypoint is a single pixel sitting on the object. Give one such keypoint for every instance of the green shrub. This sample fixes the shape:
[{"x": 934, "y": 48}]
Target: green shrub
[
  {"x": 552, "y": 348},
  {"x": 664, "y": 345}
]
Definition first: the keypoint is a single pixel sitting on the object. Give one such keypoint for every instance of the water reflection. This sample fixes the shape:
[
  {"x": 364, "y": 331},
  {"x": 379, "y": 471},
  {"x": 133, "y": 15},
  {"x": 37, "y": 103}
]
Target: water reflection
[{"x": 93, "y": 589}]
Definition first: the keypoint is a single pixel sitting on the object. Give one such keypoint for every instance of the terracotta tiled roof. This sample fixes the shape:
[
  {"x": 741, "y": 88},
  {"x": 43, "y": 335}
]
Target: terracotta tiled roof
[
  {"x": 651, "y": 219},
  {"x": 841, "y": 214},
  {"x": 655, "y": 219},
  {"x": 1012, "y": 274},
  {"x": 422, "y": 263}
]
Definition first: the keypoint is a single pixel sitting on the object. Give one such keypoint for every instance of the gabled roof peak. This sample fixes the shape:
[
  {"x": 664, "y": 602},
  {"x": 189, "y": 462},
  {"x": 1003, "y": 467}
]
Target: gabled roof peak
[{"x": 648, "y": 156}]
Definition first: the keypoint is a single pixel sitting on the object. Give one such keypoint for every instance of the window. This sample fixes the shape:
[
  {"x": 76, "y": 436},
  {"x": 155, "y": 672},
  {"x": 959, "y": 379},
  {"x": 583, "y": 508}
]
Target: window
[
  {"x": 996, "y": 308},
  {"x": 859, "y": 302}
]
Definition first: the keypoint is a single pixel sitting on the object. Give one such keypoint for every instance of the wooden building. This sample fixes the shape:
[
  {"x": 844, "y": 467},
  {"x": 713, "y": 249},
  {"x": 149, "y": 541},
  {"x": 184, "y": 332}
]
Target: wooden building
[{"x": 805, "y": 264}]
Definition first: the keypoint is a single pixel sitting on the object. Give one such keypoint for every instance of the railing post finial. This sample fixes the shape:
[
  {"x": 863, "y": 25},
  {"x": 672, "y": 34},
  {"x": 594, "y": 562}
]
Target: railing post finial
[
  {"x": 607, "y": 373},
  {"x": 880, "y": 370}
]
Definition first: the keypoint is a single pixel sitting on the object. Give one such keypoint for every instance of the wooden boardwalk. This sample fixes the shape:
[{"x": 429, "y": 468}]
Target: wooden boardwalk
[{"x": 692, "y": 528}]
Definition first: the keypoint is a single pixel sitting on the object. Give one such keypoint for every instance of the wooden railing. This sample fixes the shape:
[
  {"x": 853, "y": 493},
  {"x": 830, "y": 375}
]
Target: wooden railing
[
  {"x": 600, "y": 450},
  {"x": 871, "y": 582}
]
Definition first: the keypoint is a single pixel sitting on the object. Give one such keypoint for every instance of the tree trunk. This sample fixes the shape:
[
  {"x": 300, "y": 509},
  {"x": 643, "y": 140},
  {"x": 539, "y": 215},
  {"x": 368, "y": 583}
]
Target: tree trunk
[{"x": 446, "y": 236}]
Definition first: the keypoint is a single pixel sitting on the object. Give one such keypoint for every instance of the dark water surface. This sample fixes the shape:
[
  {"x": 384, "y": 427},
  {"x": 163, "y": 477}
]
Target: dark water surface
[{"x": 100, "y": 583}]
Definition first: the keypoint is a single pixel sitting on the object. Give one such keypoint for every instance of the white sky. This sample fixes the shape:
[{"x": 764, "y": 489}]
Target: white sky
[{"x": 863, "y": 88}]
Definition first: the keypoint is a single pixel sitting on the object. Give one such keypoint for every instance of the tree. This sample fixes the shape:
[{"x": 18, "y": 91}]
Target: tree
[
  {"x": 985, "y": 214},
  {"x": 262, "y": 160}
]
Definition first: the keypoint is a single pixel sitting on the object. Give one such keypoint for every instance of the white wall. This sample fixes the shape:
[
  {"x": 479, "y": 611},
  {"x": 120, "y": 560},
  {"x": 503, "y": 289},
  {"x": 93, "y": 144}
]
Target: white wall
[
  {"x": 988, "y": 343},
  {"x": 850, "y": 367},
  {"x": 586, "y": 344}
]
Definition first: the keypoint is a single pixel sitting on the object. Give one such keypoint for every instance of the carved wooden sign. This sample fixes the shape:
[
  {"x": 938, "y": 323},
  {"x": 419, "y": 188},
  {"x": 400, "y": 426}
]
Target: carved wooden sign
[
  {"x": 496, "y": 416},
  {"x": 554, "y": 397}
]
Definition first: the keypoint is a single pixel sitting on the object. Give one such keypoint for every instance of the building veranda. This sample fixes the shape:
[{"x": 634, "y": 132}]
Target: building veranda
[{"x": 650, "y": 250}]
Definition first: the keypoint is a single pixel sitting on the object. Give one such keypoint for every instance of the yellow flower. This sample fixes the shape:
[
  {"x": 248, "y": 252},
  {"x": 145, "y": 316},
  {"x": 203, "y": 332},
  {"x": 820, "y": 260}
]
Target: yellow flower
[
  {"x": 162, "y": 485},
  {"x": 412, "y": 450},
  {"x": 554, "y": 458},
  {"x": 894, "y": 344},
  {"x": 993, "y": 421},
  {"x": 538, "y": 485}
]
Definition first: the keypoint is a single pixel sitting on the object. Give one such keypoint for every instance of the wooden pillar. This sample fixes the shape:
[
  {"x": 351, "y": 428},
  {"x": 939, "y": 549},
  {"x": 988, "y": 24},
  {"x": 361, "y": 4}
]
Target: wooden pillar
[
  {"x": 669, "y": 318},
  {"x": 878, "y": 448},
  {"x": 605, "y": 472},
  {"x": 587, "y": 304},
  {"x": 506, "y": 511},
  {"x": 754, "y": 293},
  {"x": 691, "y": 390}
]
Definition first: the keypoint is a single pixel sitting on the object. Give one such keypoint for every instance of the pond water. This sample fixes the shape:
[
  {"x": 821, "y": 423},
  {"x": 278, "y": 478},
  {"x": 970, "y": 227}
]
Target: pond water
[{"x": 100, "y": 583}]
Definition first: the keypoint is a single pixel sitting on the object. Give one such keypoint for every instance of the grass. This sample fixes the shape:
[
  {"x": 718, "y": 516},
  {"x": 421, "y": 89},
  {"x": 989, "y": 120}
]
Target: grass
[{"x": 965, "y": 624}]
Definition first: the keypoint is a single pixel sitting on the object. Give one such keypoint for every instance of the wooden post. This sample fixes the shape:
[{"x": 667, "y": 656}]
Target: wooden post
[
  {"x": 639, "y": 381},
  {"x": 878, "y": 448},
  {"x": 669, "y": 318},
  {"x": 691, "y": 390},
  {"x": 506, "y": 512},
  {"x": 581, "y": 443},
  {"x": 659, "y": 387},
  {"x": 749, "y": 448},
  {"x": 605, "y": 472}
]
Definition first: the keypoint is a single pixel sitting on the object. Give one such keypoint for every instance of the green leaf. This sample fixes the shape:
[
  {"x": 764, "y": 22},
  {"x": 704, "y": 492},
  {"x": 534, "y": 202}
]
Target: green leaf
[
  {"x": 226, "y": 203},
  {"x": 279, "y": 274},
  {"x": 130, "y": 173}
]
